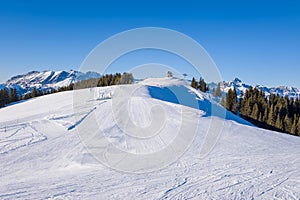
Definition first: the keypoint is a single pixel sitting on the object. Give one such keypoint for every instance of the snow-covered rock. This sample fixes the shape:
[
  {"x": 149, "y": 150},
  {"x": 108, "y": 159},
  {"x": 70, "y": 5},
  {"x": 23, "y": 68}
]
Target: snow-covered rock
[
  {"x": 241, "y": 88},
  {"x": 46, "y": 80}
]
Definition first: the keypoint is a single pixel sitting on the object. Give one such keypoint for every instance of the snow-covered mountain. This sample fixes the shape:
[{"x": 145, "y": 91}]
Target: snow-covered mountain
[
  {"x": 43, "y": 157},
  {"x": 46, "y": 79},
  {"x": 56, "y": 79},
  {"x": 241, "y": 87}
]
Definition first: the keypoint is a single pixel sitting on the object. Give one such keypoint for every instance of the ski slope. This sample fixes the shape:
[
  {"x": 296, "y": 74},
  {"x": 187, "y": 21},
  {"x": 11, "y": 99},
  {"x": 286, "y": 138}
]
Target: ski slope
[{"x": 42, "y": 155}]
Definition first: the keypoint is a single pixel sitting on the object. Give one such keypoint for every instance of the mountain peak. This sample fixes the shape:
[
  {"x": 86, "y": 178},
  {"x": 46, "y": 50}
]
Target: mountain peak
[
  {"x": 237, "y": 80},
  {"x": 242, "y": 87}
]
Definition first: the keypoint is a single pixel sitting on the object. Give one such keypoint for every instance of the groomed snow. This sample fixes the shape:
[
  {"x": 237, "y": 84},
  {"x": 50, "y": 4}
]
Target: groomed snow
[{"x": 42, "y": 156}]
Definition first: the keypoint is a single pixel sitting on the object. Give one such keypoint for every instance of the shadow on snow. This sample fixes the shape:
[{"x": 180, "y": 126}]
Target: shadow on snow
[{"x": 181, "y": 95}]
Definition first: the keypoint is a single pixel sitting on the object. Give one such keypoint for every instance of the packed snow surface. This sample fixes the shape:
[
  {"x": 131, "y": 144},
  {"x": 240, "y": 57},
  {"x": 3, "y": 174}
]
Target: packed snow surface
[{"x": 43, "y": 157}]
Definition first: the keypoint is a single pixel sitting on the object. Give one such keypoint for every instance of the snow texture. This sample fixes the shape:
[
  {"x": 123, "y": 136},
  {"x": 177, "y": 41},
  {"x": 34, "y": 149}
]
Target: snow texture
[{"x": 42, "y": 156}]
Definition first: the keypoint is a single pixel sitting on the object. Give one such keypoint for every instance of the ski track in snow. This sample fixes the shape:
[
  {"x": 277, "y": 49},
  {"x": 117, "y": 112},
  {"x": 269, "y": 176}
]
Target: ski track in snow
[
  {"x": 17, "y": 136},
  {"x": 42, "y": 157}
]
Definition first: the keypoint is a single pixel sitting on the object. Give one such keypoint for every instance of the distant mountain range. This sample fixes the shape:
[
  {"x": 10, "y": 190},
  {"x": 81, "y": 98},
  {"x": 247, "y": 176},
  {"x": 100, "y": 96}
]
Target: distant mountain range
[
  {"x": 242, "y": 87},
  {"x": 56, "y": 79},
  {"x": 46, "y": 80}
]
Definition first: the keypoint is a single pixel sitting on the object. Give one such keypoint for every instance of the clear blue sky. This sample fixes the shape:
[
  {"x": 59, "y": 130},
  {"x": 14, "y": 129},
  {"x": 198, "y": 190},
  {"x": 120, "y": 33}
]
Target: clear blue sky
[{"x": 257, "y": 41}]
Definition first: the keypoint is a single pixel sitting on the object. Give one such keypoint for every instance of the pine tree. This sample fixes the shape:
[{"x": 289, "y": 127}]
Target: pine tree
[
  {"x": 265, "y": 118},
  {"x": 229, "y": 100},
  {"x": 272, "y": 99},
  {"x": 291, "y": 109},
  {"x": 297, "y": 106},
  {"x": 217, "y": 92},
  {"x": 13, "y": 95},
  {"x": 27, "y": 96},
  {"x": 116, "y": 79},
  {"x": 278, "y": 123},
  {"x": 297, "y": 132},
  {"x": 260, "y": 118},
  {"x": 5, "y": 97},
  {"x": 294, "y": 126},
  {"x": 245, "y": 105},
  {"x": 272, "y": 116},
  {"x": 34, "y": 93},
  {"x": 287, "y": 124},
  {"x": 194, "y": 84},
  {"x": 2, "y": 103},
  {"x": 255, "y": 112},
  {"x": 202, "y": 85},
  {"x": 126, "y": 78},
  {"x": 234, "y": 101}
]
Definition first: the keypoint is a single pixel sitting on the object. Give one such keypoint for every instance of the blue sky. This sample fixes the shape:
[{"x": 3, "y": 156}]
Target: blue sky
[{"x": 257, "y": 41}]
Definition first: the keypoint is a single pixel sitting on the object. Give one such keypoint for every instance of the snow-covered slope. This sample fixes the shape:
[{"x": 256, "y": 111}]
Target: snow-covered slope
[
  {"x": 43, "y": 157},
  {"x": 47, "y": 79},
  {"x": 241, "y": 87}
]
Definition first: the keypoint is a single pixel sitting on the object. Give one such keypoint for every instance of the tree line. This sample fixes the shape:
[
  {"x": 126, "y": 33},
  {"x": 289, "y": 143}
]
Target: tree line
[
  {"x": 201, "y": 85},
  {"x": 10, "y": 95},
  {"x": 275, "y": 112},
  {"x": 106, "y": 80}
]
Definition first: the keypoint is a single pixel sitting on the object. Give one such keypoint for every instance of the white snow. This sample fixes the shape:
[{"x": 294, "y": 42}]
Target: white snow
[{"x": 42, "y": 156}]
